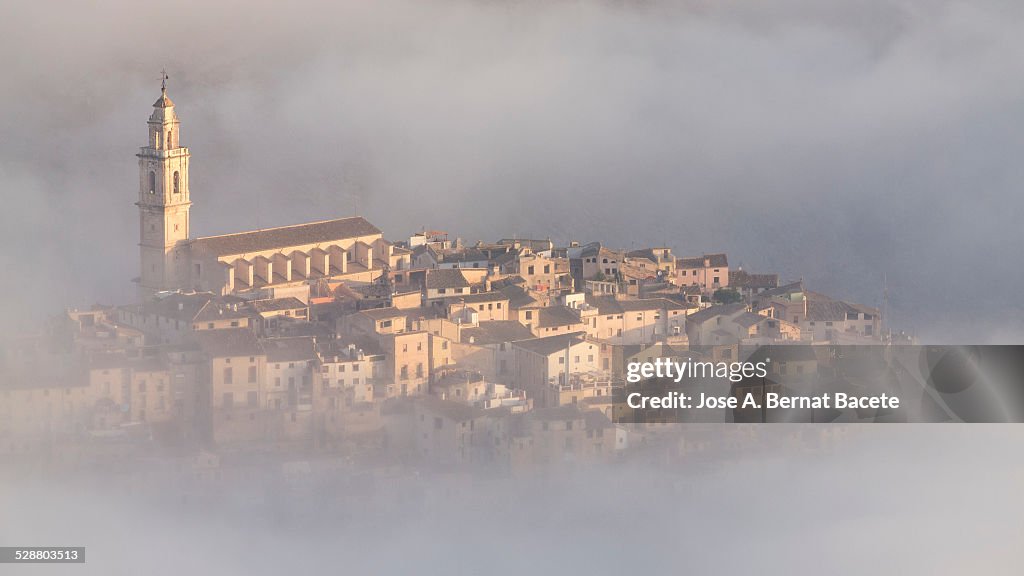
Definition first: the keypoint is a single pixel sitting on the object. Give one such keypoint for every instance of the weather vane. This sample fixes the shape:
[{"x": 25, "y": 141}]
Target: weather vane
[{"x": 163, "y": 80}]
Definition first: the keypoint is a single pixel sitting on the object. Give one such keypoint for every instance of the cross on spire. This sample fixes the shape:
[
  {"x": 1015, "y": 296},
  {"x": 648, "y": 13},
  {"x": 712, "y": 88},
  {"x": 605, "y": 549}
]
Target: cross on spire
[{"x": 163, "y": 81}]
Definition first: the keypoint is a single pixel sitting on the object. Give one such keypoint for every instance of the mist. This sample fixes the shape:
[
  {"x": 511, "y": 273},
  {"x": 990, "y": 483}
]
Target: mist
[{"x": 862, "y": 506}]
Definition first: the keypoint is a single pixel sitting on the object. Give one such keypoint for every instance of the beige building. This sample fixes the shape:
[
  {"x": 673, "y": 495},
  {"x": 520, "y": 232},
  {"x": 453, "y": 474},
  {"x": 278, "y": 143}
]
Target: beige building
[
  {"x": 820, "y": 318},
  {"x": 446, "y": 432},
  {"x": 661, "y": 256},
  {"x": 710, "y": 272},
  {"x": 349, "y": 370},
  {"x": 487, "y": 348},
  {"x": 291, "y": 364},
  {"x": 487, "y": 306},
  {"x": 715, "y": 326},
  {"x": 633, "y": 321},
  {"x": 557, "y": 369},
  {"x": 594, "y": 260},
  {"x": 408, "y": 364},
  {"x": 543, "y": 274},
  {"x": 235, "y": 380},
  {"x": 442, "y": 284},
  {"x": 550, "y": 320}
]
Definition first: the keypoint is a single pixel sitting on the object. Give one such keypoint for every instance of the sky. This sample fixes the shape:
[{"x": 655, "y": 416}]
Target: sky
[{"x": 855, "y": 145}]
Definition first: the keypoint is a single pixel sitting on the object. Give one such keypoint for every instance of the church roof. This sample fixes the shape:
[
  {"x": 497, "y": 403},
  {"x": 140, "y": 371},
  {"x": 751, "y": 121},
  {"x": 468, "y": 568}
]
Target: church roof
[
  {"x": 163, "y": 102},
  {"x": 286, "y": 236}
]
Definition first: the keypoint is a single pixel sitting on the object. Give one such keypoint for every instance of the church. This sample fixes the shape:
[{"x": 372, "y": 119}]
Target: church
[{"x": 267, "y": 263}]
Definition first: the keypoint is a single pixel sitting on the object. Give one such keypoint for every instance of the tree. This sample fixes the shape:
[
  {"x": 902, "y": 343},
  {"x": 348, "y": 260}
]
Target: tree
[{"x": 726, "y": 296}]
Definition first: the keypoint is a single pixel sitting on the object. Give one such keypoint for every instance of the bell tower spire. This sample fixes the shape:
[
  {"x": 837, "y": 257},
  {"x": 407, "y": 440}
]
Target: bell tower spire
[{"x": 163, "y": 201}]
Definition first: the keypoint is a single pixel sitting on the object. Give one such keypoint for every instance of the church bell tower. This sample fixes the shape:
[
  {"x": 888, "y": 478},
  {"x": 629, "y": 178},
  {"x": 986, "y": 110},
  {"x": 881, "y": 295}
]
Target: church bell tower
[{"x": 163, "y": 202}]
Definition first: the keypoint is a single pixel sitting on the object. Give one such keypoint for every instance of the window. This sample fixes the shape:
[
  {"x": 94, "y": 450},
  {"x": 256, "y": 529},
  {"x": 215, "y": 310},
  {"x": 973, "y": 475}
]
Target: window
[
  {"x": 252, "y": 374},
  {"x": 227, "y": 375},
  {"x": 177, "y": 183},
  {"x": 441, "y": 290},
  {"x": 228, "y": 400},
  {"x": 152, "y": 182},
  {"x": 561, "y": 359},
  {"x": 168, "y": 139},
  {"x": 529, "y": 270},
  {"x": 385, "y": 324},
  {"x": 547, "y": 268},
  {"x": 252, "y": 399},
  {"x": 404, "y": 374}
]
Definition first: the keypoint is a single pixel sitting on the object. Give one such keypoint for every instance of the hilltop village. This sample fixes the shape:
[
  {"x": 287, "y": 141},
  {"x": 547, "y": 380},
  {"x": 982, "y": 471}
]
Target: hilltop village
[{"x": 328, "y": 337}]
